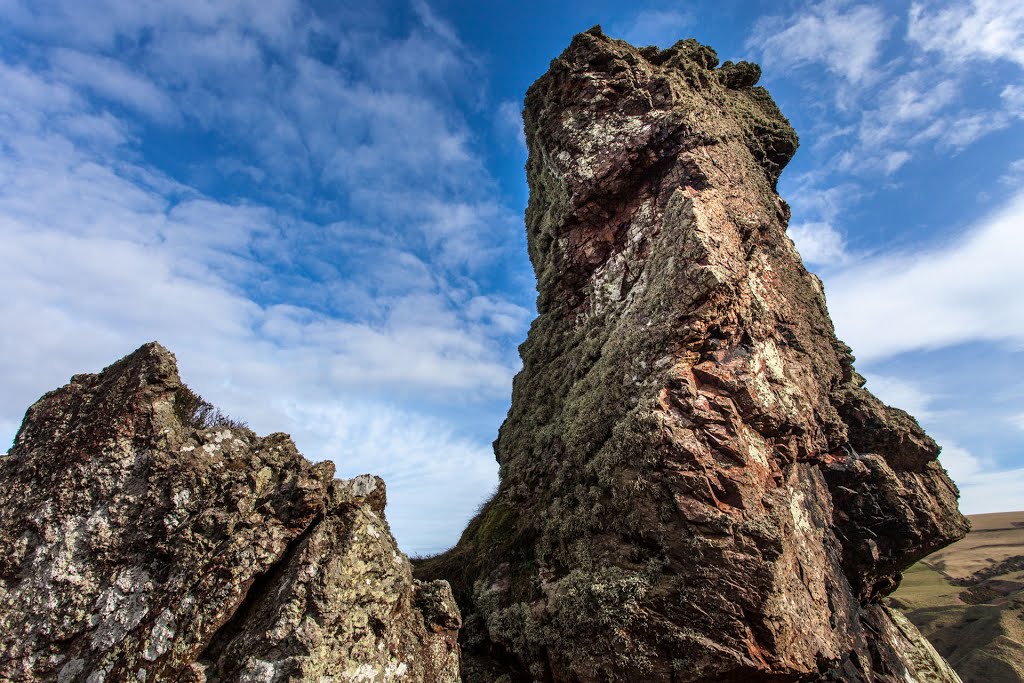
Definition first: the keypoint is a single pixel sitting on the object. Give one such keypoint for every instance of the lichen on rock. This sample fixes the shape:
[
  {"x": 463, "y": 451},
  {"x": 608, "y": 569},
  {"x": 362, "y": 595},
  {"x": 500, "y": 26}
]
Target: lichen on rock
[
  {"x": 138, "y": 543},
  {"x": 694, "y": 483}
]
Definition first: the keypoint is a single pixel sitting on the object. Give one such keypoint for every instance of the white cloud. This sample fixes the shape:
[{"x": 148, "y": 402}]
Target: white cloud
[
  {"x": 100, "y": 23},
  {"x": 983, "y": 488},
  {"x": 961, "y": 292},
  {"x": 929, "y": 97},
  {"x": 903, "y": 394},
  {"x": 422, "y": 463},
  {"x": 1014, "y": 175},
  {"x": 1013, "y": 97},
  {"x": 978, "y": 29},
  {"x": 435, "y": 23},
  {"x": 359, "y": 334},
  {"x": 845, "y": 38},
  {"x": 920, "y": 107},
  {"x": 661, "y": 27},
  {"x": 508, "y": 120},
  {"x": 911, "y": 98},
  {"x": 818, "y": 243},
  {"x": 115, "y": 81}
]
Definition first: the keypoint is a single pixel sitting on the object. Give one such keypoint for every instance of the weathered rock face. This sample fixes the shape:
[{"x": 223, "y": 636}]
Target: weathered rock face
[
  {"x": 695, "y": 486},
  {"x": 135, "y": 546}
]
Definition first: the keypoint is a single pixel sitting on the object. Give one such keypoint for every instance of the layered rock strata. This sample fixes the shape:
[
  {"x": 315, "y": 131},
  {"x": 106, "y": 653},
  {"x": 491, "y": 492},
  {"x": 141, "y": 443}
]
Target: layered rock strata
[
  {"x": 695, "y": 484},
  {"x": 137, "y": 545}
]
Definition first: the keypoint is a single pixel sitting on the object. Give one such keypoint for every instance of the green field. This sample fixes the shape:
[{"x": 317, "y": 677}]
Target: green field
[{"x": 968, "y": 599}]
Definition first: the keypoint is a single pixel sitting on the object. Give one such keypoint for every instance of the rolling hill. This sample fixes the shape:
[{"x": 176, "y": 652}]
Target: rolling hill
[{"x": 968, "y": 599}]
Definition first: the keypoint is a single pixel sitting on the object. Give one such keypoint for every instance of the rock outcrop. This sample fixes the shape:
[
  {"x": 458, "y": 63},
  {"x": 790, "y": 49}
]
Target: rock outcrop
[
  {"x": 695, "y": 484},
  {"x": 139, "y": 544}
]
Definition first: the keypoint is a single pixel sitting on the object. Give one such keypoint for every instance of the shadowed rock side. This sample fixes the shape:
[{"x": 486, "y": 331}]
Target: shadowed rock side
[
  {"x": 137, "y": 546},
  {"x": 695, "y": 486}
]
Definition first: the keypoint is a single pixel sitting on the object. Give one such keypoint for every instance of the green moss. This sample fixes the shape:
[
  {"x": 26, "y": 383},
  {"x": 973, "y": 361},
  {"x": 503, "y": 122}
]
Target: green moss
[
  {"x": 592, "y": 614},
  {"x": 497, "y": 525}
]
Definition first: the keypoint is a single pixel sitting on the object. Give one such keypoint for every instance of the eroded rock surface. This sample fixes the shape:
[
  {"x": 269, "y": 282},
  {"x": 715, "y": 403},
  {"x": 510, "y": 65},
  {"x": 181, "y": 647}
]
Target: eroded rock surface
[
  {"x": 135, "y": 546},
  {"x": 695, "y": 484}
]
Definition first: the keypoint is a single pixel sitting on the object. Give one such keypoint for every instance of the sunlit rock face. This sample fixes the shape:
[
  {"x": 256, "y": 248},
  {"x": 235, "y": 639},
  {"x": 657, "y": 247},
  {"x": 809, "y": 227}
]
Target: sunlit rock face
[
  {"x": 139, "y": 544},
  {"x": 695, "y": 486}
]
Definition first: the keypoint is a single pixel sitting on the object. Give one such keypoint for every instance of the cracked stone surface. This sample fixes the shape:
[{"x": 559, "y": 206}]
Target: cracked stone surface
[
  {"x": 135, "y": 546},
  {"x": 695, "y": 484}
]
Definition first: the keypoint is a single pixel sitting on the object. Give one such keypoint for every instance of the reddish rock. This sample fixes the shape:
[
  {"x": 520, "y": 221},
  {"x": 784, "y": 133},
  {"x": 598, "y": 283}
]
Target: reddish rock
[{"x": 695, "y": 486}]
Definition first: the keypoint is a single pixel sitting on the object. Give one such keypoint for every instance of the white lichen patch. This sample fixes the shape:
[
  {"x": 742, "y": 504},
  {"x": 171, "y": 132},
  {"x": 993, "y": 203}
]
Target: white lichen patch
[
  {"x": 801, "y": 519},
  {"x": 120, "y": 607},
  {"x": 257, "y": 671},
  {"x": 161, "y": 637},
  {"x": 181, "y": 498},
  {"x": 768, "y": 353},
  {"x": 369, "y": 673},
  {"x": 363, "y": 485},
  {"x": 69, "y": 672}
]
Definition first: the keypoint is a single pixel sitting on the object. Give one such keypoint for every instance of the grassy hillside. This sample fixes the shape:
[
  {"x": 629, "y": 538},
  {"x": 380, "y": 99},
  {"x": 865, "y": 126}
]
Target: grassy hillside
[{"x": 968, "y": 599}]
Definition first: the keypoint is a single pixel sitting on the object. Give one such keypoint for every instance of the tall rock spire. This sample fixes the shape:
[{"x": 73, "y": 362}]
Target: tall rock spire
[{"x": 695, "y": 486}]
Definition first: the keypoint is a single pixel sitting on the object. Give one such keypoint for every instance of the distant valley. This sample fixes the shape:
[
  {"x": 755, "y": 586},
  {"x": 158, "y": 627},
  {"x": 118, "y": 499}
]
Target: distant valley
[{"x": 968, "y": 599}]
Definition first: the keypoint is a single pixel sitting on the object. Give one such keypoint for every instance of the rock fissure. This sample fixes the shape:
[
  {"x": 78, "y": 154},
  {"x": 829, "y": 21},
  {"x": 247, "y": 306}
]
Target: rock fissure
[{"x": 255, "y": 593}]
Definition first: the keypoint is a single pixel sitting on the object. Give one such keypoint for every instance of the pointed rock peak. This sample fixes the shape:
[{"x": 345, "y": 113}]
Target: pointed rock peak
[
  {"x": 608, "y": 120},
  {"x": 170, "y": 543},
  {"x": 134, "y": 394}
]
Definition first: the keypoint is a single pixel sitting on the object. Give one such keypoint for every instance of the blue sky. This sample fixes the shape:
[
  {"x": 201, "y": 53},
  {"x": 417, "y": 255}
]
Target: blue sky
[{"x": 318, "y": 208}]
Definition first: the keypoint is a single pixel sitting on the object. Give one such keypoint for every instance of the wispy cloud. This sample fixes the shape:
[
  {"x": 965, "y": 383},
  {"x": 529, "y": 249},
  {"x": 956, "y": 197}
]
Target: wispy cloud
[
  {"x": 948, "y": 295},
  {"x": 655, "y": 26},
  {"x": 354, "y": 305},
  {"x": 897, "y": 108},
  {"x": 818, "y": 243},
  {"x": 965, "y": 31},
  {"x": 113, "y": 80},
  {"x": 844, "y": 38},
  {"x": 1014, "y": 175},
  {"x": 983, "y": 487},
  {"x": 508, "y": 120}
]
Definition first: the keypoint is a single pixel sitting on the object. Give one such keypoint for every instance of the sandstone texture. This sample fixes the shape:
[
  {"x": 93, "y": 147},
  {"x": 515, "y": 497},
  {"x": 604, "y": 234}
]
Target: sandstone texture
[
  {"x": 143, "y": 537},
  {"x": 695, "y": 484}
]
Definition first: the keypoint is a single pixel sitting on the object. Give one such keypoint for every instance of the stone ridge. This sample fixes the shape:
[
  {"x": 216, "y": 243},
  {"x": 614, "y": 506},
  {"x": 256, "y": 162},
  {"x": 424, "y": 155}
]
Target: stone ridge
[
  {"x": 135, "y": 546},
  {"x": 695, "y": 484}
]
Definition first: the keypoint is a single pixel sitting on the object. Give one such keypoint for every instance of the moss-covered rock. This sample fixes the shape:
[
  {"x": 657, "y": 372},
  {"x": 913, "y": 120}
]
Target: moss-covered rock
[
  {"x": 145, "y": 537},
  {"x": 674, "y": 466}
]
